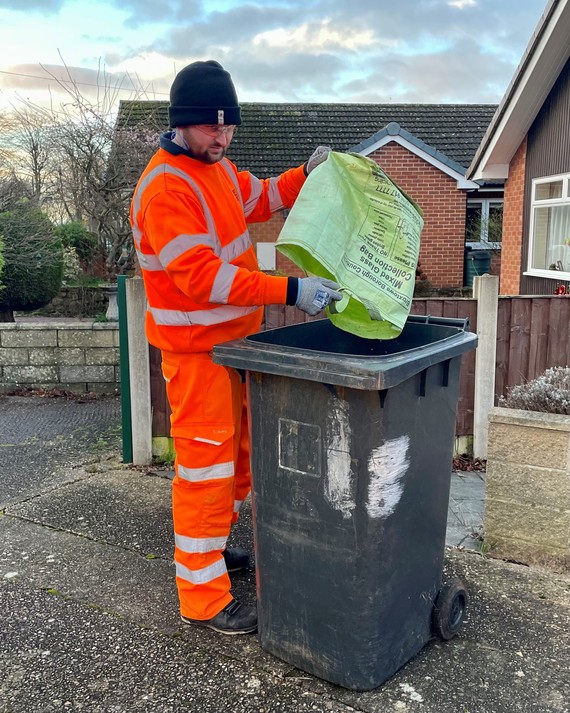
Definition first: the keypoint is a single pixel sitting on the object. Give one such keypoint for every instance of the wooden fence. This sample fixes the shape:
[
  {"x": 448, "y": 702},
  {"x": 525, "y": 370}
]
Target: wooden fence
[
  {"x": 533, "y": 333},
  {"x": 462, "y": 309}
]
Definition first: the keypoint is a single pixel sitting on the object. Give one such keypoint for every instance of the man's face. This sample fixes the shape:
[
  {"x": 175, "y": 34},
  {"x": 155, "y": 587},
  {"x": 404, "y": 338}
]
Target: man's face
[{"x": 208, "y": 142}]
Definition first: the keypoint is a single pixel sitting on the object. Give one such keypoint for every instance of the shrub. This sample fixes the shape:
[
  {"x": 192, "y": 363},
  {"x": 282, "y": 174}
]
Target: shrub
[
  {"x": 71, "y": 267},
  {"x": 423, "y": 286},
  {"x": 33, "y": 266},
  {"x": 75, "y": 235},
  {"x": 549, "y": 393}
]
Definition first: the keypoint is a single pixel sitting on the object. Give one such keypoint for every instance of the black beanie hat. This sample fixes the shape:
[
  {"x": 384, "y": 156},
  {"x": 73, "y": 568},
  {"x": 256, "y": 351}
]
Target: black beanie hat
[{"x": 203, "y": 93}]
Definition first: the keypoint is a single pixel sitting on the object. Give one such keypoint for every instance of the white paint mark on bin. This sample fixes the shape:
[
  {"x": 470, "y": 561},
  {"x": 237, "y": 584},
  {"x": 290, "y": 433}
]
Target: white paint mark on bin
[
  {"x": 387, "y": 466},
  {"x": 339, "y": 484}
]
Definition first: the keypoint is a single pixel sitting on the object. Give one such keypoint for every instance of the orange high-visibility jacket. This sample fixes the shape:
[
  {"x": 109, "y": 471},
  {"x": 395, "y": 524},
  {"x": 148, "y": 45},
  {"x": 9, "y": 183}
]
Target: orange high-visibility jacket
[{"x": 201, "y": 275}]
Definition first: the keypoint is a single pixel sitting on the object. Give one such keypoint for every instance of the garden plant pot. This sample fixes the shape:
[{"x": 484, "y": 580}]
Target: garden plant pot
[{"x": 110, "y": 290}]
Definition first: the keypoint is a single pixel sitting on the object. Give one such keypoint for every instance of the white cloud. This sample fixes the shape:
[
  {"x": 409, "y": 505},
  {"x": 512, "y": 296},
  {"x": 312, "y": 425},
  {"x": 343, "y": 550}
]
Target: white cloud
[
  {"x": 460, "y": 4},
  {"x": 147, "y": 64},
  {"x": 278, "y": 50},
  {"x": 314, "y": 38}
]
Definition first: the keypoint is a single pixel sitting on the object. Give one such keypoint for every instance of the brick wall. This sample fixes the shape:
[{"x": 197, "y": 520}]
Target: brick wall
[
  {"x": 75, "y": 356},
  {"x": 513, "y": 224},
  {"x": 496, "y": 256},
  {"x": 443, "y": 204}
]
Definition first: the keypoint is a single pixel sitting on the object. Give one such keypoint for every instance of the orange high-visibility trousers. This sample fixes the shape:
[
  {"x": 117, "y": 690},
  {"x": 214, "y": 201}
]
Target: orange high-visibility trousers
[{"x": 212, "y": 475}]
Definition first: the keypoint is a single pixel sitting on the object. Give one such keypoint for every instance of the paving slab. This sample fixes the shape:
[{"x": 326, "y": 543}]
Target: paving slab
[
  {"x": 108, "y": 506},
  {"x": 466, "y": 510}
]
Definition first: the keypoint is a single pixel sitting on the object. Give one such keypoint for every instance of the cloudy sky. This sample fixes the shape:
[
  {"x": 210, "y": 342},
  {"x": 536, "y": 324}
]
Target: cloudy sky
[{"x": 435, "y": 51}]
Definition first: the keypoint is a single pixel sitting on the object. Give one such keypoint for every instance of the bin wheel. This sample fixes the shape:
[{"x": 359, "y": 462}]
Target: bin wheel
[{"x": 449, "y": 609}]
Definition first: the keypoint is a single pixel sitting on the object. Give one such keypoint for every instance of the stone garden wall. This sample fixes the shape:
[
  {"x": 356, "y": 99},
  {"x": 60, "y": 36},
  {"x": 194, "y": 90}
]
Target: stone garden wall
[
  {"x": 527, "y": 504},
  {"x": 78, "y": 356},
  {"x": 76, "y": 302}
]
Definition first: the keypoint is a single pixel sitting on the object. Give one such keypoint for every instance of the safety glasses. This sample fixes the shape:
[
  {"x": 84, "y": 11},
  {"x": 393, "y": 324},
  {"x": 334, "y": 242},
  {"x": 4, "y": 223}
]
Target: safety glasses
[{"x": 215, "y": 130}]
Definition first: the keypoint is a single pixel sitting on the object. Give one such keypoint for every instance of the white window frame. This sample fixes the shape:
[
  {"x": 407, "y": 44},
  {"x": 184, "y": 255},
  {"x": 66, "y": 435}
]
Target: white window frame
[
  {"x": 485, "y": 203},
  {"x": 546, "y": 203}
]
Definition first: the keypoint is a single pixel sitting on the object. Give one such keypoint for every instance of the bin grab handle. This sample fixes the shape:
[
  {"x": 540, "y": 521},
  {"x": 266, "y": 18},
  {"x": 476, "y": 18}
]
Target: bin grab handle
[{"x": 461, "y": 322}]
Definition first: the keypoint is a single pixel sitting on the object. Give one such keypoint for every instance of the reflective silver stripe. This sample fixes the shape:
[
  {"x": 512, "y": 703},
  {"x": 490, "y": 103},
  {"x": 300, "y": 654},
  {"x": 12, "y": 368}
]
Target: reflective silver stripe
[
  {"x": 201, "y": 576},
  {"x": 209, "y": 472},
  {"x": 137, "y": 200},
  {"x": 149, "y": 262},
  {"x": 173, "y": 171},
  {"x": 205, "y": 318},
  {"x": 225, "y": 164},
  {"x": 256, "y": 191},
  {"x": 237, "y": 505},
  {"x": 193, "y": 545},
  {"x": 170, "y": 317},
  {"x": 237, "y": 247},
  {"x": 223, "y": 283},
  {"x": 182, "y": 243},
  {"x": 275, "y": 200},
  {"x": 137, "y": 235}
]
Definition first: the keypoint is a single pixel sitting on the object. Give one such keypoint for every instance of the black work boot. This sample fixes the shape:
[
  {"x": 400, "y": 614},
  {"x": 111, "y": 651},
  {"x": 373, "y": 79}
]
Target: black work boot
[
  {"x": 236, "y": 559},
  {"x": 235, "y": 618}
]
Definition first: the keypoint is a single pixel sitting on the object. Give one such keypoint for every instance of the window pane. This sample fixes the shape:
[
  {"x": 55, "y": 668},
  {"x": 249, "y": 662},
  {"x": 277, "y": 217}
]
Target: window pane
[
  {"x": 547, "y": 191},
  {"x": 473, "y": 222},
  {"x": 495, "y": 226},
  {"x": 551, "y": 246}
]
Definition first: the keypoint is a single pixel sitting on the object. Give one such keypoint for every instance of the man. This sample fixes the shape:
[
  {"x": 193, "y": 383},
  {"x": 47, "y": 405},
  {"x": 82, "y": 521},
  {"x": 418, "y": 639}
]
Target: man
[{"x": 203, "y": 287}]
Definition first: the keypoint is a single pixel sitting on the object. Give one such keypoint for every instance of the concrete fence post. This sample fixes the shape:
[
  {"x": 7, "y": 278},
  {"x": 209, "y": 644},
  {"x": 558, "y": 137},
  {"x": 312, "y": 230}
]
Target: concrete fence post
[
  {"x": 139, "y": 370},
  {"x": 486, "y": 292}
]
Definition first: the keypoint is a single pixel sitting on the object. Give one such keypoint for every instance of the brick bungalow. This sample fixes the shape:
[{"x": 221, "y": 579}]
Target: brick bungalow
[
  {"x": 424, "y": 148},
  {"x": 527, "y": 146}
]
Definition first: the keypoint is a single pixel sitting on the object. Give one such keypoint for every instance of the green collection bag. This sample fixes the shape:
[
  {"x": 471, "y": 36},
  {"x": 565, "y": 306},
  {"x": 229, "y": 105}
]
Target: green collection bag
[{"x": 352, "y": 224}]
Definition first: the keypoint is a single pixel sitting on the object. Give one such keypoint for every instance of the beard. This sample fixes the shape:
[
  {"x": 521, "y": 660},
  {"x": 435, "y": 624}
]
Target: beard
[{"x": 206, "y": 156}]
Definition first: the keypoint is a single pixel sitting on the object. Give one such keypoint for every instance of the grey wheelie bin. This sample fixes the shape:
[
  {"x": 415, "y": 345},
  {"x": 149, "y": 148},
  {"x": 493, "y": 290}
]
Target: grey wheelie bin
[{"x": 352, "y": 444}]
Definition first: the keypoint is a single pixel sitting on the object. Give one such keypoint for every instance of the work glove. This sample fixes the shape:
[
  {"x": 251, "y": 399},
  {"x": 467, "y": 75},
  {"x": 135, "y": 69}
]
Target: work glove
[
  {"x": 315, "y": 293},
  {"x": 320, "y": 154}
]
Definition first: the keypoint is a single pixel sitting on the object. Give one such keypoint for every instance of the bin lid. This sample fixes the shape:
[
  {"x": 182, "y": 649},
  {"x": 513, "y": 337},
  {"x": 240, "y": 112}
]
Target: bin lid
[{"x": 319, "y": 351}]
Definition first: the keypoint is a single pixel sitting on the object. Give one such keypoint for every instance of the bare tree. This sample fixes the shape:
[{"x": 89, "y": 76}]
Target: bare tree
[
  {"x": 12, "y": 189},
  {"x": 79, "y": 165},
  {"x": 94, "y": 181},
  {"x": 25, "y": 152}
]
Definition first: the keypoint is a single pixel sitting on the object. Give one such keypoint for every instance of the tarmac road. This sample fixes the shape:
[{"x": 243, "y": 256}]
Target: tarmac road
[
  {"x": 90, "y": 610},
  {"x": 43, "y": 438}
]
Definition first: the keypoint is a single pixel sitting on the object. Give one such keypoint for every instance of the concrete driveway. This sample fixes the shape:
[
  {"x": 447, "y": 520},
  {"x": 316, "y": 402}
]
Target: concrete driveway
[{"x": 89, "y": 605}]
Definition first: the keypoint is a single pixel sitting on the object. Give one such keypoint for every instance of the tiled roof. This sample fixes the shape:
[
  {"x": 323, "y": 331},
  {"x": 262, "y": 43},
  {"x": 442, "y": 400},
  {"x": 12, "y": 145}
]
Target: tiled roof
[
  {"x": 394, "y": 129},
  {"x": 274, "y": 137}
]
